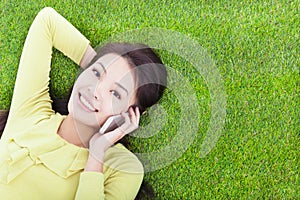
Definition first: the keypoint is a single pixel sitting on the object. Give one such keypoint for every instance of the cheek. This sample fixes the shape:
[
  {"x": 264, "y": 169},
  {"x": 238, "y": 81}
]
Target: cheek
[
  {"x": 120, "y": 106},
  {"x": 84, "y": 79}
]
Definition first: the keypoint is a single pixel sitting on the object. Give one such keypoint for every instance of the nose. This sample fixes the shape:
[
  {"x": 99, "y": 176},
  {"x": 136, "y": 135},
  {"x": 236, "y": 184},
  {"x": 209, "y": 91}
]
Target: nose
[
  {"x": 97, "y": 91},
  {"x": 96, "y": 94}
]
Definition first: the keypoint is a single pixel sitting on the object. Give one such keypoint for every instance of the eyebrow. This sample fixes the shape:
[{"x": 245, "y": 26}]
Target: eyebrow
[
  {"x": 100, "y": 63},
  {"x": 122, "y": 87}
]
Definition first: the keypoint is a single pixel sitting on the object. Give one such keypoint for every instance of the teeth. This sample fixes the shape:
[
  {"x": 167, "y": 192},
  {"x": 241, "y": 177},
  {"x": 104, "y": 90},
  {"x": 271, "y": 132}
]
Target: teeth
[{"x": 86, "y": 103}]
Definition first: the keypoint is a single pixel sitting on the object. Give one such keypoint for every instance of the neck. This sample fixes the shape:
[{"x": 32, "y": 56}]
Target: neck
[{"x": 75, "y": 132}]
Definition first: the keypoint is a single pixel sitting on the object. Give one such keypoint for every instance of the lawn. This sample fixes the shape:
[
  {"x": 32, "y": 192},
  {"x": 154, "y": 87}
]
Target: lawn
[{"x": 254, "y": 133}]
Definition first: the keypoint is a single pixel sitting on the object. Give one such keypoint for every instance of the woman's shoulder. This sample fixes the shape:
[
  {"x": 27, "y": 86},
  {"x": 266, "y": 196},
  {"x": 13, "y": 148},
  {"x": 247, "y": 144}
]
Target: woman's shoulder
[{"x": 118, "y": 157}]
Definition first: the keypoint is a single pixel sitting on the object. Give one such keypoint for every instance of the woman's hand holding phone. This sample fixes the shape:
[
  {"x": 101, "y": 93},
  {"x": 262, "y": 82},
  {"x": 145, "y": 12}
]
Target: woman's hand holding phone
[{"x": 99, "y": 143}]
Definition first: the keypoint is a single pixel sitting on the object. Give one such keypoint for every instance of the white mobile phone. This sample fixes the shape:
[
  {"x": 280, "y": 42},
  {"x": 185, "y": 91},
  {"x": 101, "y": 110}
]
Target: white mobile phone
[{"x": 112, "y": 123}]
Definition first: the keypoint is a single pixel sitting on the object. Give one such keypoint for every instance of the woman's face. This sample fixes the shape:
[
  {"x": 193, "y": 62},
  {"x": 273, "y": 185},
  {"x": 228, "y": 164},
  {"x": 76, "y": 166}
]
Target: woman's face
[{"x": 106, "y": 88}]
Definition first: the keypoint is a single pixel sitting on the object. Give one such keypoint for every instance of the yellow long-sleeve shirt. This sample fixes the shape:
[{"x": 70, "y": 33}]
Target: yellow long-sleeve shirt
[{"x": 35, "y": 162}]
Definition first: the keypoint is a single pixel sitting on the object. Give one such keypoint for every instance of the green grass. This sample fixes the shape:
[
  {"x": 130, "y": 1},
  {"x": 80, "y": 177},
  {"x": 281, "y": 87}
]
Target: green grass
[{"x": 255, "y": 46}]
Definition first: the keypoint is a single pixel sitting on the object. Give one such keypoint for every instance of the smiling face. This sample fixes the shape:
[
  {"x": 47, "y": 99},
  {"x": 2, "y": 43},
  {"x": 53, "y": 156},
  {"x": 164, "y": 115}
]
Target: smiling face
[{"x": 106, "y": 88}]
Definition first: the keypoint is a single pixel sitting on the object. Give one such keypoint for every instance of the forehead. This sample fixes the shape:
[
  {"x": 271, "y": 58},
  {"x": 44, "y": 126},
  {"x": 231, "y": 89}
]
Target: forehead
[
  {"x": 117, "y": 68},
  {"x": 112, "y": 59}
]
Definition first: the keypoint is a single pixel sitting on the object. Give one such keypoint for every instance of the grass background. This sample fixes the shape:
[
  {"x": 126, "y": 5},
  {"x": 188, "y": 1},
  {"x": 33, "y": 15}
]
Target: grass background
[{"x": 255, "y": 46}]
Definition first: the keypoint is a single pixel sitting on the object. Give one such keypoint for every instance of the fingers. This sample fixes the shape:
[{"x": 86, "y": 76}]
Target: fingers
[
  {"x": 134, "y": 115},
  {"x": 132, "y": 119},
  {"x": 138, "y": 115},
  {"x": 131, "y": 123}
]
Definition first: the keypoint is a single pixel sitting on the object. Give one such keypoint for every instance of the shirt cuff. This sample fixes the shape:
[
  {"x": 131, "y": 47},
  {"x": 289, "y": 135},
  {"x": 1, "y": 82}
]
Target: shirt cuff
[{"x": 91, "y": 186}]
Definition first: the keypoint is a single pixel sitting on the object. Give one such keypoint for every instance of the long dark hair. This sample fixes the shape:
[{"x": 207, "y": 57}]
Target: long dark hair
[{"x": 151, "y": 78}]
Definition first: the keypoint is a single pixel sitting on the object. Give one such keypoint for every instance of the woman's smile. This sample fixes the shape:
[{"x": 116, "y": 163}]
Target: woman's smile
[{"x": 86, "y": 104}]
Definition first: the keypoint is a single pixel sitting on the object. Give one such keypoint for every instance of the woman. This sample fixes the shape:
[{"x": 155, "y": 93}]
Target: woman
[{"x": 46, "y": 155}]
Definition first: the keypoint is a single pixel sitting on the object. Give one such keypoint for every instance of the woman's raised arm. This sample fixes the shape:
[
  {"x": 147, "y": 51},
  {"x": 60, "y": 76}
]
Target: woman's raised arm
[
  {"x": 89, "y": 54},
  {"x": 49, "y": 29}
]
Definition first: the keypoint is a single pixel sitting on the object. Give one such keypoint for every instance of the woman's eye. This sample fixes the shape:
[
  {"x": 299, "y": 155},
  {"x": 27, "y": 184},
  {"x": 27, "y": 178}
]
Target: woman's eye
[
  {"x": 96, "y": 72},
  {"x": 116, "y": 94}
]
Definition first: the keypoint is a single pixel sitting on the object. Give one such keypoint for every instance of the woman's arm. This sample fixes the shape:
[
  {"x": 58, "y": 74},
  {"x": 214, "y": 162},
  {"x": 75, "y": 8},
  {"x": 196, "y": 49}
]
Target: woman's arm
[
  {"x": 121, "y": 181},
  {"x": 124, "y": 183},
  {"x": 89, "y": 54},
  {"x": 48, "y": 30}
]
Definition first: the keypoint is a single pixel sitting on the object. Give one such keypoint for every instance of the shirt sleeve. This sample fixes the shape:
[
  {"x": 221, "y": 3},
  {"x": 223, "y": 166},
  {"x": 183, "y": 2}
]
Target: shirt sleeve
[
  {"x": 91, "y": 186},
  {"x": 48, "y": 30},
  {"x": 120, "y": 186},
  {"x": 122, "y": 178}
]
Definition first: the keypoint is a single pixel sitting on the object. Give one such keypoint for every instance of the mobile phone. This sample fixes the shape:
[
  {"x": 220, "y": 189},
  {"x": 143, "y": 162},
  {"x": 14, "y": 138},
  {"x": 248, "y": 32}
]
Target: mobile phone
[{"x": 112, "y": 123}]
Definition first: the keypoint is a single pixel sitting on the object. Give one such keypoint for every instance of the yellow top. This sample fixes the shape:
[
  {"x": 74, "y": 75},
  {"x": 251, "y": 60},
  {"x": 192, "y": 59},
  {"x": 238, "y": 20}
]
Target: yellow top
[{"x": 35, "y": 162}]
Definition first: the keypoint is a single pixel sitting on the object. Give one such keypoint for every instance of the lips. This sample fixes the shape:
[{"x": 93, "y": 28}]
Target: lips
[{"x": 87, "y": 104}]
